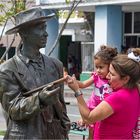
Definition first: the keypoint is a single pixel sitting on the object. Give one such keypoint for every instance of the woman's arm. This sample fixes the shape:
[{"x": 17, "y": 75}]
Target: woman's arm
[{"x": 102, "y": 111}]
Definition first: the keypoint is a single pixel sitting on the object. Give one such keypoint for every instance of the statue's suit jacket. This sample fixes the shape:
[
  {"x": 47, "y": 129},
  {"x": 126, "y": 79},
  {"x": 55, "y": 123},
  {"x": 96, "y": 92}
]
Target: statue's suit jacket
[{"x": 26, "y": 117}]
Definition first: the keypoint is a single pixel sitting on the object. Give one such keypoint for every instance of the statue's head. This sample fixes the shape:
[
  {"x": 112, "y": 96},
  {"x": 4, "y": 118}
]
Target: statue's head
[{"x": 29, "y": 18}]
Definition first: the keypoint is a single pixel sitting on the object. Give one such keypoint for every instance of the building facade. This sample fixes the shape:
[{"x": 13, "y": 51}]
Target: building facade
[
  {"x": 116, "y": 23},
  {"x": 111, "y": 22}
]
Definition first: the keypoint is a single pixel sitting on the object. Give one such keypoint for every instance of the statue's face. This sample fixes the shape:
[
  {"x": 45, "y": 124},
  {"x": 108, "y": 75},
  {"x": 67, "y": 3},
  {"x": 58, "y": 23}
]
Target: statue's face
[{"x": 37, "y": 35}]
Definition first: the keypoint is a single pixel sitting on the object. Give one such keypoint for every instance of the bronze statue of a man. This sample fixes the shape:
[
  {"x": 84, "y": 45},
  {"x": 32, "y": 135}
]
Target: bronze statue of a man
[{"x": 42, "y": 114}]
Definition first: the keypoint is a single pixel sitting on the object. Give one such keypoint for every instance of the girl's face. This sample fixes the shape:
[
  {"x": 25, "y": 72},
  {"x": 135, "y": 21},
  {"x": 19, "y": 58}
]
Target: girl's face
[
  {"x": 114, "y": 79},
  {"x": 102, "y": 69}
]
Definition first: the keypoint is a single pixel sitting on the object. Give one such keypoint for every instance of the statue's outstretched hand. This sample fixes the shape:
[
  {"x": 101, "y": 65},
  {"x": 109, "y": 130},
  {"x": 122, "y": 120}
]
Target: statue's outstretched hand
[{"x": 49, "y": 95}]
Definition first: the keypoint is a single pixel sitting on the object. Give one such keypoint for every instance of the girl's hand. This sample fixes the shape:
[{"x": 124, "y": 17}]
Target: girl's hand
[{"x": 81, "y": 122}]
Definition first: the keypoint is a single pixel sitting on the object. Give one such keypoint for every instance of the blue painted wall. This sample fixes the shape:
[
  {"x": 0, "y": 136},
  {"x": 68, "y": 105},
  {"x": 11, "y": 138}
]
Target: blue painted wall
[
  {"x": 114, "y": 26},
  {"x": 108, "y": 26},
  {"x": 52, "y": 29}
]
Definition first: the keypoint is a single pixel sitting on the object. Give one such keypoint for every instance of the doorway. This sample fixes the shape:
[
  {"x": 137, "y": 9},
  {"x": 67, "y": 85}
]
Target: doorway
[{"x": 70, "y": 55}]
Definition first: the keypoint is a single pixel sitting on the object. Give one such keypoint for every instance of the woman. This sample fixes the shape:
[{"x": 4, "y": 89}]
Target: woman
[{"x": 117, "y": 114}]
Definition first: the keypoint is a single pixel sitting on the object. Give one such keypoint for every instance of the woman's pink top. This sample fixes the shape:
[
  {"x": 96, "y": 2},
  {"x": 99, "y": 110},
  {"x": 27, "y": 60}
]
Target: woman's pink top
[{"x": 126, "y": 105}]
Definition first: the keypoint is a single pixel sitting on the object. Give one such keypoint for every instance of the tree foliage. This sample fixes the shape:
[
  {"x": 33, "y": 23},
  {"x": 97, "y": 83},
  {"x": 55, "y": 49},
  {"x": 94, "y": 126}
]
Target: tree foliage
[
  {"x": 5, "y": 11},
  {"x": 9, "y": 8}
]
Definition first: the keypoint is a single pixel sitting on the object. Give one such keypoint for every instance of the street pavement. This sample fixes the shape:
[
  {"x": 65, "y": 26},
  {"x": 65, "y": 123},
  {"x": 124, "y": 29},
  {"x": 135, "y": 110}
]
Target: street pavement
[
  {"x": 69, "y": 94},
  {"x": 72, "y": 108},
  {"x": 2, "y": 120}
]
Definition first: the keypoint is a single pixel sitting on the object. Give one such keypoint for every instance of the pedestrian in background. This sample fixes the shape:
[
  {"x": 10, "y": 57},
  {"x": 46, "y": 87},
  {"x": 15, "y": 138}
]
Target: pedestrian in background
[{"x": 70, "y": 65}]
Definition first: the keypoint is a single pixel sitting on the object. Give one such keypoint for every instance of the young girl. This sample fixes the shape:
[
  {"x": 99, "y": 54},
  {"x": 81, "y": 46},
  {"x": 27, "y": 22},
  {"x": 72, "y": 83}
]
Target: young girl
[{"x": 102, "y": 89}]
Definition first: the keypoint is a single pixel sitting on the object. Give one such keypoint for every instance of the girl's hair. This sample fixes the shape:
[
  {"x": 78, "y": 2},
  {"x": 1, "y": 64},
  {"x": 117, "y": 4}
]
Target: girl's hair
[
  {"x": 125, "y": 66},
  {"x": 106, "y": 54}
]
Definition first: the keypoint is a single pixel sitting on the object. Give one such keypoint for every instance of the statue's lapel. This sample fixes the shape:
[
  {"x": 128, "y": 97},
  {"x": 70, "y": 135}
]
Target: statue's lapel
[{"x": 24, "y": 74}]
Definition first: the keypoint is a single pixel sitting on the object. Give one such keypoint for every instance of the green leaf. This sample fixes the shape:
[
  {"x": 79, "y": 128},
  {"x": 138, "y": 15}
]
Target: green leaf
[
  {"x": 2, "y": 132},
  {"x": 67, "y": 1}
]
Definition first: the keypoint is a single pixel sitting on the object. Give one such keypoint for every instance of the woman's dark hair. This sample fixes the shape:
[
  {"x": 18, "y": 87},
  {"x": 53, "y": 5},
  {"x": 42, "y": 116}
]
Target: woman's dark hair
[{"x": 106, "y": 54}]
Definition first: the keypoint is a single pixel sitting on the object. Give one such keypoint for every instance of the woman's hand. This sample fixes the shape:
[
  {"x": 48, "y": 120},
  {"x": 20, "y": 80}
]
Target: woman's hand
[{"x": 72, "y": 83}]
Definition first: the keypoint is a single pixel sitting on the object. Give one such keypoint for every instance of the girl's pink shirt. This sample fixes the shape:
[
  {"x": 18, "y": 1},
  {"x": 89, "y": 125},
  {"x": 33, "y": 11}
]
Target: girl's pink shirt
[{"x": 98, "y": 95}]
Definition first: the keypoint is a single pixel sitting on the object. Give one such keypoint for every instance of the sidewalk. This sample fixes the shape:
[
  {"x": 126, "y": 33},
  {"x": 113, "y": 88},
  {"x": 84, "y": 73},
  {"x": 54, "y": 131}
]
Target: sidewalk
[
  {"x": 2, "y": 120},
  {"x": 69, "y": 94}
]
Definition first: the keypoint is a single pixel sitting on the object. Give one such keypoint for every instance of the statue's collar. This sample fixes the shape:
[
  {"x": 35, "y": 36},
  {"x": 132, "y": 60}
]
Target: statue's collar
[{"x": 27, "y": 60}]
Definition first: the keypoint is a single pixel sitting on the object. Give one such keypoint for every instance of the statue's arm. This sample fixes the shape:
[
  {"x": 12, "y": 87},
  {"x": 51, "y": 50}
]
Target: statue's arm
[{"x": 13, "y": 102}]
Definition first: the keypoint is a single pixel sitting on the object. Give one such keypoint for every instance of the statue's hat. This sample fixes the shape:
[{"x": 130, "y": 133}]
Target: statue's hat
[{"x": 28, "y": 18}]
